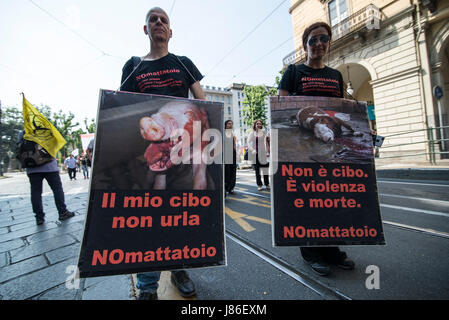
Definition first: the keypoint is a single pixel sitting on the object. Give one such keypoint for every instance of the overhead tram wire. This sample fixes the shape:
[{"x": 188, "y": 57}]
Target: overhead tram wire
[
  {"x": 74, "y": 31},
  {"x": 265, "y": 55},
  {"x": 244, "y": 38},
  {"x": 171, "y": 9}
]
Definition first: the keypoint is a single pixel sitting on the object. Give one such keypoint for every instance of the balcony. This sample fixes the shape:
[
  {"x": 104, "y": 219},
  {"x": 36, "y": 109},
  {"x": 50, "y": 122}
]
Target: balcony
[{"x": 366, "y": 18}]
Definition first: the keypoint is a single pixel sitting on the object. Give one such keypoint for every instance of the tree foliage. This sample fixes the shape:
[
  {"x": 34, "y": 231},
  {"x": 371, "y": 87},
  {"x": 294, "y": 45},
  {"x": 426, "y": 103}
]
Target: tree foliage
[
  {"x": 11, "y": 123},
  {"x": 90, "y": 127},
  {"x": 255, "y": 104}
]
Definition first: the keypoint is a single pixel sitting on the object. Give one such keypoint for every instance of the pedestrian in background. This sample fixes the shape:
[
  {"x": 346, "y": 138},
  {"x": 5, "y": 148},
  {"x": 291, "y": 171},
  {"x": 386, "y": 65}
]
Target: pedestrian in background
[
  {"x": 314, "y": 78},
  {"x": 259, "y": 150},
  {"x": 70, "y": 164},
  {"x": 84, "y": 166},
  {"x": 78, "y": 164},
  {"x": 230, "y": 162},
  {"x": 50, "y": 172}
]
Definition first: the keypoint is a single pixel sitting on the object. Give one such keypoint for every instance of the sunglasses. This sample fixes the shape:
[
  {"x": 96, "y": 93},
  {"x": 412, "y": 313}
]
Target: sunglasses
[{"x": 324, "y": 38}]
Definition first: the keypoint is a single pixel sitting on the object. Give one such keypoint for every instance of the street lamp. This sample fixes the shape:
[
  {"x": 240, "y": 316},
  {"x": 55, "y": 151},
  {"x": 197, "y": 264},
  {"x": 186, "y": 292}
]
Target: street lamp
[{"x": 349, "y": 89}]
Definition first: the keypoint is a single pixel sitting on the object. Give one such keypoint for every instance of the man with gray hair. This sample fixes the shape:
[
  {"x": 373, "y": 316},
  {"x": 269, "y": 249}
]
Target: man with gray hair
[{"x": 163, "y": 73}]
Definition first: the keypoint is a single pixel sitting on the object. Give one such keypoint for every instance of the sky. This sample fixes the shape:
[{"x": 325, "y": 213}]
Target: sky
[{"x": 60, "y": 53}]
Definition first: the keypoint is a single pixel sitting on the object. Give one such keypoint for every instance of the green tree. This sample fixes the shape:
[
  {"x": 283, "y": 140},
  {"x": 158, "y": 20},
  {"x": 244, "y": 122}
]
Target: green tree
[
  {"x": 277, "y": 81},
  {"x": 90, "y": 127},
  {"x": 254, "y": 104},
  {"x": 64, "y": 124},
  {"x": 11, "y": 122}
]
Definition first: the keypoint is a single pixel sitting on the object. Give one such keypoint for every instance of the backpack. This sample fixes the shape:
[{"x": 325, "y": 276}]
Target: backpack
[{"x": 30, "y": 154}]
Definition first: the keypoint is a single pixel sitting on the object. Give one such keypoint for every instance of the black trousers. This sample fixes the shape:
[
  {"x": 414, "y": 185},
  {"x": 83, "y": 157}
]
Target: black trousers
[
  {"x": 331, "y": 255},
  {"x": 54, "y": 181},
  {"x": 72, "y": 173},
  {"x": 230, "y": 176},
  {"x": 257, "y": 168}
]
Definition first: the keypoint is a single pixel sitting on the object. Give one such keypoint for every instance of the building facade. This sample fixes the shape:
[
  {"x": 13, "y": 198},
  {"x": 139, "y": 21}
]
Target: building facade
[{"x": 393, "y": 53}]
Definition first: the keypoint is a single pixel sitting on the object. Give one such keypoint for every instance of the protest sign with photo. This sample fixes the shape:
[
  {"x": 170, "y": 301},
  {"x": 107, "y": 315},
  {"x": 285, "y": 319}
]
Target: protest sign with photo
[
  {"x": 85, "y": 139},
  {"x": 324, "y": 186},
  {"x": 156, "y": 195}
]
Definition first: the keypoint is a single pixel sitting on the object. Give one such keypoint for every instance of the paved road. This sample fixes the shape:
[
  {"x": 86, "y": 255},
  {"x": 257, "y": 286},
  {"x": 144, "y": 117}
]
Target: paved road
[
  {"x": 412, "y": 264},
  {"x": 34, "y": 259}
]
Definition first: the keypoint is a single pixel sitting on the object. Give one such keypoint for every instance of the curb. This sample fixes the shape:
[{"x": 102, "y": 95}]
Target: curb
[{"x": 414, "y": 173}]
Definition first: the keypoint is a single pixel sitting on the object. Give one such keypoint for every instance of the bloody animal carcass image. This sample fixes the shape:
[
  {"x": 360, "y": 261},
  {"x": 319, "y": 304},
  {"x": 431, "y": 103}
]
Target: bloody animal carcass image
[
  {"x": 324, "y": 125},
  {"x": 172, "y": 128},
  {"x": 137, "y": 141},
  {"x": 317, "y": 129}
]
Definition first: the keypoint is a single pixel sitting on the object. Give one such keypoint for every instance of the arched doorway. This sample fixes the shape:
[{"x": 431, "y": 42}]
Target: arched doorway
[{"x": 357, "y": 78}]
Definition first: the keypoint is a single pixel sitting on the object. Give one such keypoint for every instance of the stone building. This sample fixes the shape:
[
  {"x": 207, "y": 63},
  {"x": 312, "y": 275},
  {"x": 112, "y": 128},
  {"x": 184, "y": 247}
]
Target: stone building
[{"x": 393, "y": 53}]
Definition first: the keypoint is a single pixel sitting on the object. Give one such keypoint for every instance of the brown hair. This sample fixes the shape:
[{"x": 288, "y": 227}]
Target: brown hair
[
  {"x": 254, "y": 124},
  {"x": 309, "y": 29}
]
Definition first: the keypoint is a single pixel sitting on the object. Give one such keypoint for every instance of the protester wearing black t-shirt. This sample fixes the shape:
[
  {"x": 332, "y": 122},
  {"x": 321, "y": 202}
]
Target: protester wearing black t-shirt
[
  {"x": 170, "y": 76},
  {"x": 163, "y": 73},
  {"x": 307, "y": 81},
  {"x": 313, "y": 78}
]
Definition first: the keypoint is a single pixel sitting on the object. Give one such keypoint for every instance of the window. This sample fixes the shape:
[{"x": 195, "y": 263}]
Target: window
[
  {"x": 338, "y": 11},
  {"x": 229, "y": 110}
]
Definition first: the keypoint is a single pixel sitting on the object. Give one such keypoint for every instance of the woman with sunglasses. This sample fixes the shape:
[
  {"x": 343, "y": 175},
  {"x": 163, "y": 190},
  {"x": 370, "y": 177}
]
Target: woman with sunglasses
[{"x": 314, "y": 78}]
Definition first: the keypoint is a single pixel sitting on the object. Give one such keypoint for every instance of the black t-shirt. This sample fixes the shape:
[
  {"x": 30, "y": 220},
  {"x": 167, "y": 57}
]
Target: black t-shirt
[
  {"x": 166, "y": 76},
  {"x": 302, "y": 80}
]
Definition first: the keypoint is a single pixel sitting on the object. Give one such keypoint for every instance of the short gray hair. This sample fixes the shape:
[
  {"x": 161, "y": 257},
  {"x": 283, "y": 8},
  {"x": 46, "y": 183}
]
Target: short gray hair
[{"x": 155, "y": 9}]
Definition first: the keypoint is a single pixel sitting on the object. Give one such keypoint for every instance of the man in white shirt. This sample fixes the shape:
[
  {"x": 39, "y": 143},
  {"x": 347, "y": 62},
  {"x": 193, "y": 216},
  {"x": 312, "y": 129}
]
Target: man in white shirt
[{"x": 70, "y": 164}]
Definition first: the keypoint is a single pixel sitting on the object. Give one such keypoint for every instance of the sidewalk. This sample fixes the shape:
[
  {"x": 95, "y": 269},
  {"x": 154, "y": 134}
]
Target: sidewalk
[{"x": 412, "y": 170}]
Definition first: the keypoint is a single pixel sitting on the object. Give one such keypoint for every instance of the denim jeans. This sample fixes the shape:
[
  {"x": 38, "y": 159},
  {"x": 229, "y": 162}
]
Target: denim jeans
[
  {"x": 148, "y": 281},
  {"x": 85, "y": 171},
  {"x": 54, "y": 181}
]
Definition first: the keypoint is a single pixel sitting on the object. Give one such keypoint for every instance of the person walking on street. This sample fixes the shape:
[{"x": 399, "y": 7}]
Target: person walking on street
[
  {"x": 157, "y": 28},
  {"x": 84, "y": 166},
  {"x": 259, "y": 150},
  {"x": 50, "y": 172},
  {"x": 230, "y": 162},
  {"x": 70, "y": 164},
  {"x": 299, "y": 80}
]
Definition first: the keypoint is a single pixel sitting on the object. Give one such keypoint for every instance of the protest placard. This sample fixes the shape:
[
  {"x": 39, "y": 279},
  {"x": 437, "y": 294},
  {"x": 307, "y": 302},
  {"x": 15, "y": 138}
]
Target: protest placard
[
  {"x": 324, "y": 185},
  {"x": 156, "y": 193}
]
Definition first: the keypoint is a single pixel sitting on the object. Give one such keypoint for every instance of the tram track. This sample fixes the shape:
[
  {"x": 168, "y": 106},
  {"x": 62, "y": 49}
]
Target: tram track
[{"x": 321, "y": 289}]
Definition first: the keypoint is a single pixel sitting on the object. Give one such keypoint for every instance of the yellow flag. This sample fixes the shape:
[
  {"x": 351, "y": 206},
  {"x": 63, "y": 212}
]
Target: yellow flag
[{"x": 40, "y": 130}]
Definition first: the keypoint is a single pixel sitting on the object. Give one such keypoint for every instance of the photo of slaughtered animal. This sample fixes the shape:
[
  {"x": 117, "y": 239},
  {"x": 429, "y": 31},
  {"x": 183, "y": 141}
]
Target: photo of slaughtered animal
[
  {"x": 157, "y": 142},
  {"x": 321, "y": 129}
]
